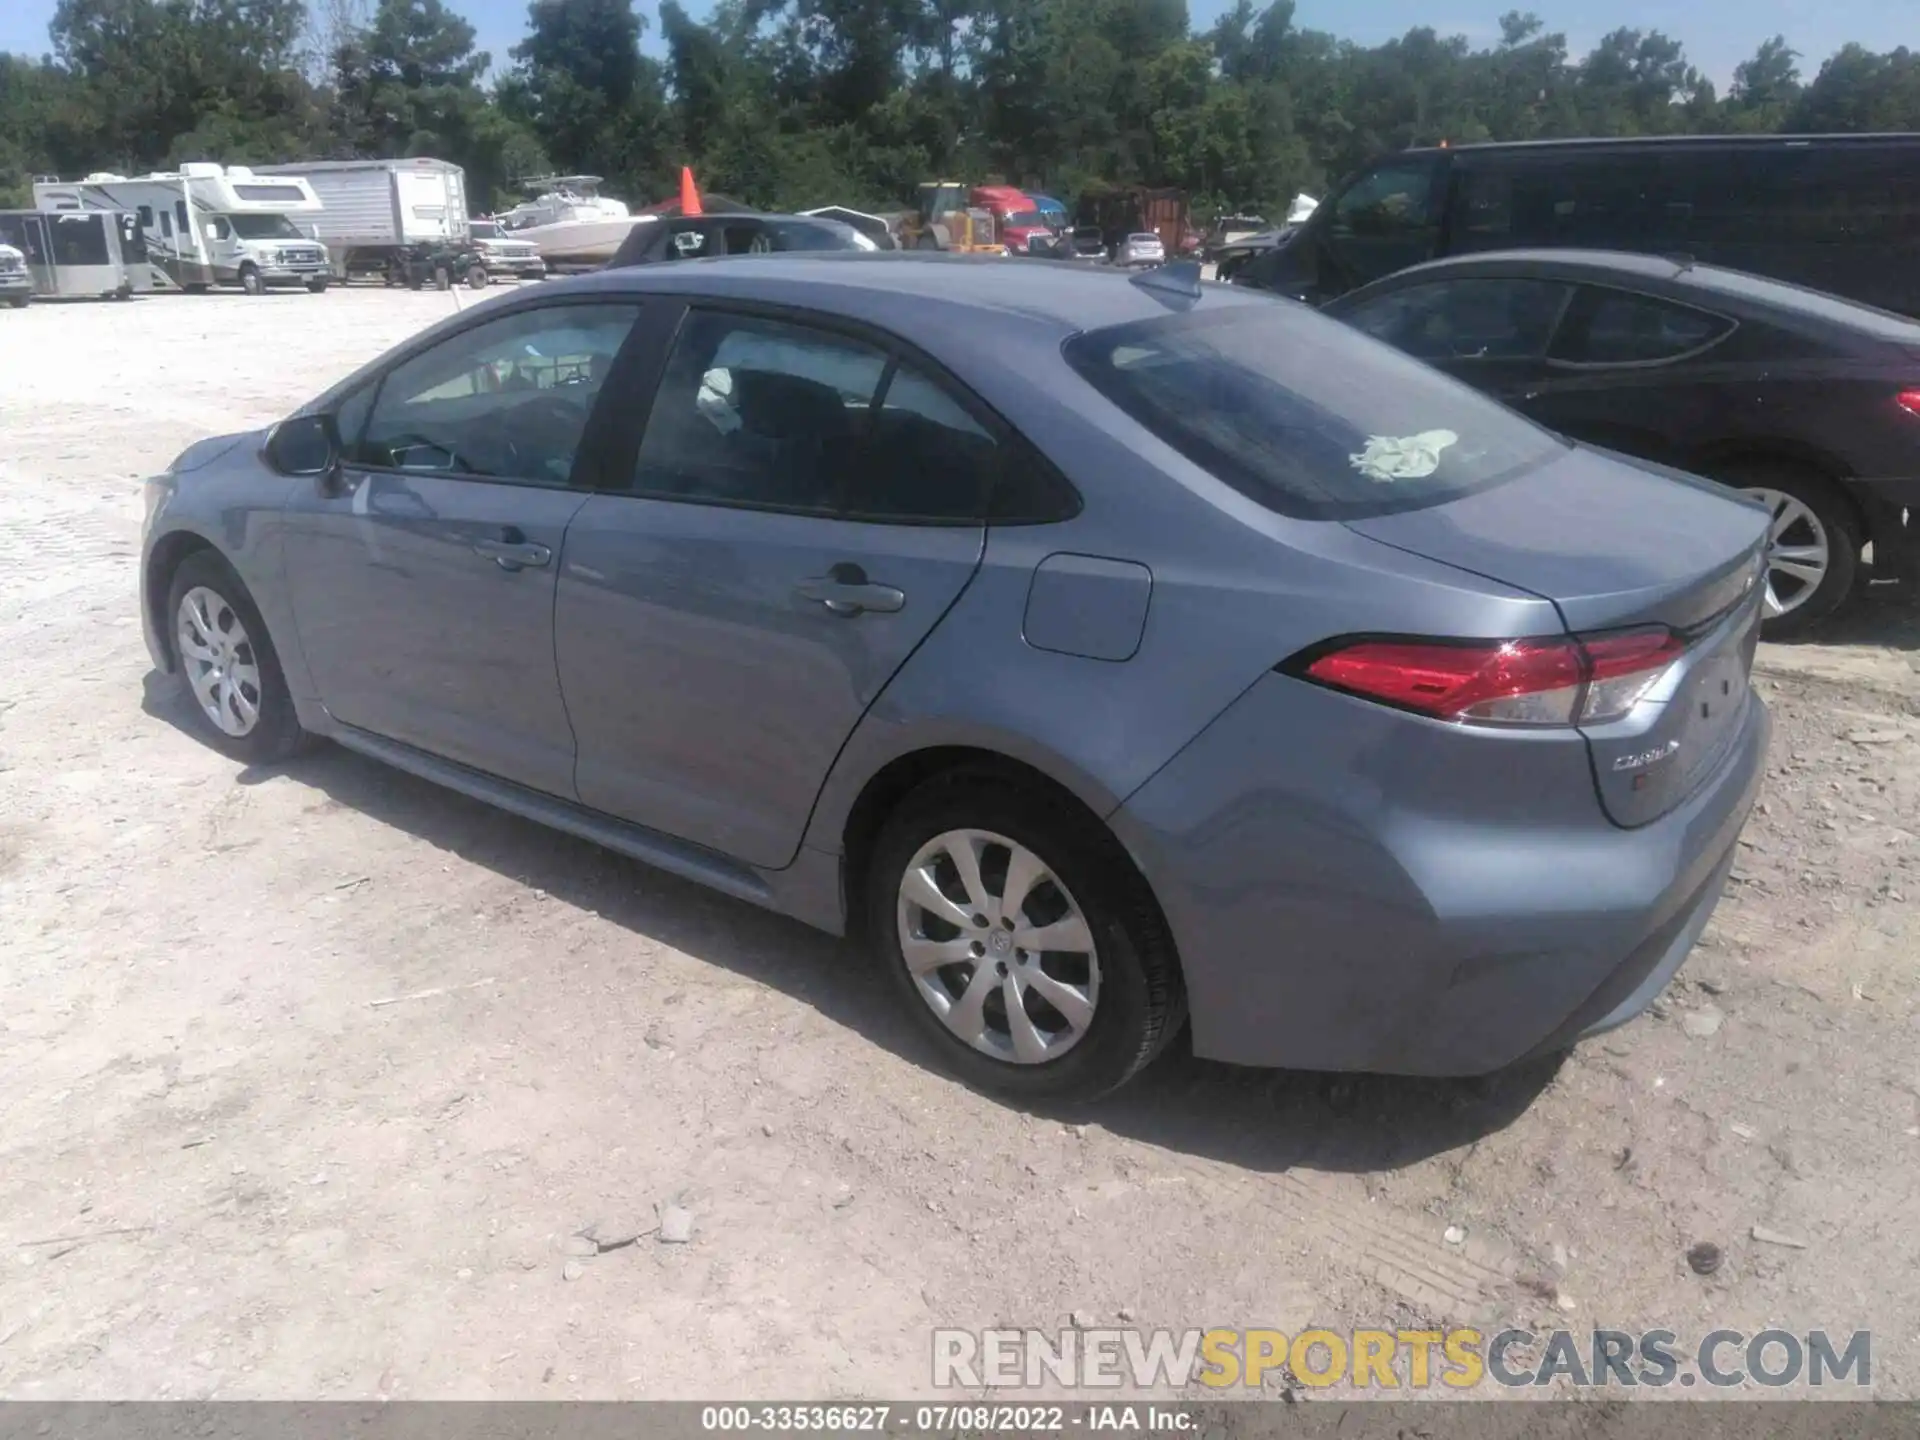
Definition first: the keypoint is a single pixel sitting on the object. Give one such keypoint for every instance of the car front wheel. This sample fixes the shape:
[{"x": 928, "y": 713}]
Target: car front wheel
[
  {"x": 1021, "y": 940},
  {"x": 232, "y": 674}
]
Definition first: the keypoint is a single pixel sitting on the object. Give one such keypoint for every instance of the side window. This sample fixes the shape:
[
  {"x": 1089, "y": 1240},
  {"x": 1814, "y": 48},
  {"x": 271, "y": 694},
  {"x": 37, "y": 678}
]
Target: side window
[
  {"x": 1612, "y": 327},
  {"x": 692, "y": 241},
  {"x": 1477, "y": 319},
  {"x": 221, "y": 229},
  {"x": 180, "y": 217},
  {"x": 166, "y": 225},
  {"x": 1393, "y": 201},
  {"x": 507, "y": 399},
  {"x": 760, "y": 412},
  {"x": 748, "y": 239},
  {"x": 929, "y": 460},
  {"x": 146, "y": 216}
]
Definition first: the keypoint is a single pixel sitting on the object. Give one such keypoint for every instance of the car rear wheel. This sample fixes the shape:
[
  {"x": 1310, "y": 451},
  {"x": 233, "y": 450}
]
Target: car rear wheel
[
  {"x": 1021, "y": 940},
  {"x": 1815, "y": 540},
  {"x": 232, "y": 673}
]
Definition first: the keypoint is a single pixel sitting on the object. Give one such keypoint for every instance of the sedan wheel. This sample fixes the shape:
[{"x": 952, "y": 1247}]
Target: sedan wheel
[
  {"x": 218, "y": 657},
  {"x": 997, "y": 947},
  {"x": 227, "y": 658},
  {"x": 1801, "y": 552},
  {"x": 1020, "y": 937}
]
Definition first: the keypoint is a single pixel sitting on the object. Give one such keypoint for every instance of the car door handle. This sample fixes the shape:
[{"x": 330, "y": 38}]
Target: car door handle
[
  {"x": 513, "y": 554},
  {"x": 845, "y": 590}
]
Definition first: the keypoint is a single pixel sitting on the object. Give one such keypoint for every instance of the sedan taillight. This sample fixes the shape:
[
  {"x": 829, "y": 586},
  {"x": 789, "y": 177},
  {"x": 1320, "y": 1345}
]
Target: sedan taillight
[
  {"x": 1583, "y": 680},
  {"x": 1909, "y": 401}
]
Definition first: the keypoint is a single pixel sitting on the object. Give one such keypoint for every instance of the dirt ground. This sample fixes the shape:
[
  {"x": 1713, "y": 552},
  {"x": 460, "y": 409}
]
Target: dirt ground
[{"x": 307, "y": 1077}]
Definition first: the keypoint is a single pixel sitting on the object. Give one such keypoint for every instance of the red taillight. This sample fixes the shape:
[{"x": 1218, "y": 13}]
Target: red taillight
[
  {"x": 1580, "y": 681},
  {"x": 1909, "y": 401}
]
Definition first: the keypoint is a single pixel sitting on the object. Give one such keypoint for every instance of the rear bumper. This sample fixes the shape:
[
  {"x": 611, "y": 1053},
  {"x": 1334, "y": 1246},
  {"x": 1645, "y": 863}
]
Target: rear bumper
[{"x": 1334, "y": 914}]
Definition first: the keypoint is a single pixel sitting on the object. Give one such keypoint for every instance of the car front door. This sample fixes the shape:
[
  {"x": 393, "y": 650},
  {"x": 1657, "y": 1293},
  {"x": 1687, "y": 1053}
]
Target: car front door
[
  {"x": 422, "y": 573},
  {"x": 804, "y": 508}
]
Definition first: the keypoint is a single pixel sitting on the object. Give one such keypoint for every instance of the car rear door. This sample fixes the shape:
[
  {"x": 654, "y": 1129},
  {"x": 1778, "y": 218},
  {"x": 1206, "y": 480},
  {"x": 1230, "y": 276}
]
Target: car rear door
[
  {"x": 422, "y": 573},
  {"x": 803, "y": 509}
]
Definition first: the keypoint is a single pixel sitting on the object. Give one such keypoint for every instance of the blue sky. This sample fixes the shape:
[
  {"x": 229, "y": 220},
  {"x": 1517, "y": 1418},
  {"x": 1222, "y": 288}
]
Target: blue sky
[{"x": 1718, "y": 34}]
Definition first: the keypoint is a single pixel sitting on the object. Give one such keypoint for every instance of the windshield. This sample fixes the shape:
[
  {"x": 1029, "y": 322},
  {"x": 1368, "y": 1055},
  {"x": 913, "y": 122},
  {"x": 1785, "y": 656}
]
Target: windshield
[
  {"x": 264, "y": 227},
  {"x": 1304, "y": 415},
  {"x": 1028, "y": 220},
  {"x": 484, "y": 230}
]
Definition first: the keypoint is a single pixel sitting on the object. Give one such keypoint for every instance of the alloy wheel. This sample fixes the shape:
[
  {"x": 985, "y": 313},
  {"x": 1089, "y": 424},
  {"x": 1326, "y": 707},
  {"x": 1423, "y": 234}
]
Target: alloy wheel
[
  {"x": 997, "y": 947},
  {"x": 222, "y": 668},
  {"x": 1798, "y": 555}
]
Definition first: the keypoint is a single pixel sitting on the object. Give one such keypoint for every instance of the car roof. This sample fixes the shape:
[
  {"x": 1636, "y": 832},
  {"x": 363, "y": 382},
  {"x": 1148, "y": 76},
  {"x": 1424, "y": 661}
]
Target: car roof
[
  {"x": 899, "y": 291},
  {"x": 1671, "y": 142},
  {"x": 1677, "y": 277}
]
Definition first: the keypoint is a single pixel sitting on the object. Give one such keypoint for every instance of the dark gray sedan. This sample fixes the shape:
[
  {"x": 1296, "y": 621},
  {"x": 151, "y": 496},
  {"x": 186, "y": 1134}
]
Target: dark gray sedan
[
  {"x": 1809, "y": 403},
  {"x": 1107, "y": 650}
]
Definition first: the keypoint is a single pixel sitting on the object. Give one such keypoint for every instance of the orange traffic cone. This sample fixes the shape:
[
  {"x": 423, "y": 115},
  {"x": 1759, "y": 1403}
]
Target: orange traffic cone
[{"x": 689, "y": 197}]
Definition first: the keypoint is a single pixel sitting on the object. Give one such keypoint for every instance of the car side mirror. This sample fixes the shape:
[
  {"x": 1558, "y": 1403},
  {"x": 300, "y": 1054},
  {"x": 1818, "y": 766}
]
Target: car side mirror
[{"x": 304, "y": 445}]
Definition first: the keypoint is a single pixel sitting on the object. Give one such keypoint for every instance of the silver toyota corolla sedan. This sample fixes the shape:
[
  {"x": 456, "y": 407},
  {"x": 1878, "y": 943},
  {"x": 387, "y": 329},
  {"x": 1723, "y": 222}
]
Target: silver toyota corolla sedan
[{"x": 1108, "y": 651}]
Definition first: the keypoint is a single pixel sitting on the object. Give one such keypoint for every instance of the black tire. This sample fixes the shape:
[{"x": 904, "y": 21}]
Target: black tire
[
  {"x": 1141, "y": 1002},
  {"x": 19, "y": 302},
  {"x": 251, "y": 282},
  {"x": 477, "y": 277},
  {"x": 276, "y": 733},
  {"x": 318, "y": 287},
  {"x": 1836, "y": 517},
  {"x": 442, "y": 278},
  {"x": 195, "y": 289}
]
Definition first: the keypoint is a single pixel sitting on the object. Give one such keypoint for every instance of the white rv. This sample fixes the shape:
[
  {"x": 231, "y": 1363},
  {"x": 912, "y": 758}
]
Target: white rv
[
  {"x": 374, "y": 211},
  {"x": 204, "y": 225}
]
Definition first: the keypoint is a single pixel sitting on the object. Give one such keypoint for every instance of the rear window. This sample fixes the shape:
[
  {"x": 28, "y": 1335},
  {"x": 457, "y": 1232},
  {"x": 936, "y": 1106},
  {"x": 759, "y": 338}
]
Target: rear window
[{"x": 1307, "y": 417}]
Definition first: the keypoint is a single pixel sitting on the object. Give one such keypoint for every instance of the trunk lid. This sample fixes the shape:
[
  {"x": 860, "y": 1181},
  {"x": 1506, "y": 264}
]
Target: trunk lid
[{"x": 1616, "y": 543}]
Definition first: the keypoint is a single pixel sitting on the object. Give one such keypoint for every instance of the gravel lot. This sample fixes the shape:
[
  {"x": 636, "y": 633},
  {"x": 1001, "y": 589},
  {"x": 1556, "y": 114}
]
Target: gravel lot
[{"x": 307, "y": 1077}]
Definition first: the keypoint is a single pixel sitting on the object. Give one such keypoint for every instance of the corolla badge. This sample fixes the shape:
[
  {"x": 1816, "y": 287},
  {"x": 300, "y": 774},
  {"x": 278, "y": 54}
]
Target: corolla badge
[{"x": 1642, "y": 759}]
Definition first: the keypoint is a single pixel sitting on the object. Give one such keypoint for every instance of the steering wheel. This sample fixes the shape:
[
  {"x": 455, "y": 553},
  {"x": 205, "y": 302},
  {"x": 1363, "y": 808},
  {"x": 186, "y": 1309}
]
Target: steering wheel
[{"x": 545, "y": 423}]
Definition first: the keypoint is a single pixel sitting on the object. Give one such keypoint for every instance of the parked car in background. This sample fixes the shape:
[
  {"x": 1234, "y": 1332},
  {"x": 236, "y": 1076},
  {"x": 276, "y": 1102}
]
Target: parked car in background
[
  {"x": 1087, "y": 242},
  {"x": 1809, "y": 403},
  {"x": 1143, "y": 248},
  {"x": 1424, "y": 736},
  {"x": 16, "y": 285},
  {"x": 514, "y": 259},
  {"x": 1835, "y": 212},
  {"x": 696, "y": 237}
]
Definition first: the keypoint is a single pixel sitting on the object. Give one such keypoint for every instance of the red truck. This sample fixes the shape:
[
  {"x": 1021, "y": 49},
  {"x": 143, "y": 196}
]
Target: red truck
[{"x": 1016, "y": 216}]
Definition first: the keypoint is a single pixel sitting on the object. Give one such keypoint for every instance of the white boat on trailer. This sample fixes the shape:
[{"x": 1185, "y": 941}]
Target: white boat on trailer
[{"x": 572, "y": 223}]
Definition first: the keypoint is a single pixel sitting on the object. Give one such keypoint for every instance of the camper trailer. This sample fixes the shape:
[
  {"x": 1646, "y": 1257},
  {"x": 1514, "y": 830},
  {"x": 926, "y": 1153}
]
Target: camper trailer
[
  {"x": 205, "y": 226},
  {"x": 374, "y": 212},
  {"x": 95, "y": 253}
]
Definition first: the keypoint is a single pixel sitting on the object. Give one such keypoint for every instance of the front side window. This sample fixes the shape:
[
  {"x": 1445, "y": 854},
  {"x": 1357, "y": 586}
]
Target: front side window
[
  {"x": 1477, "y": 319},
  {"x": 1394, "y": 200},
  {"x": 220, "y": 228},
  {"x": 1615, "y": 328},
  {"x": 505, "y": 400},
  {"x": 1304, "y": 415}
]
